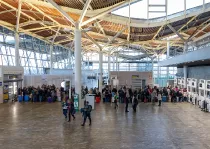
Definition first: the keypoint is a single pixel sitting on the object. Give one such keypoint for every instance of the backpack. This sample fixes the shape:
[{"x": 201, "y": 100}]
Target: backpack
[
  {"x": 89, "y": 108},
  {"x": 135, "y": 101}
]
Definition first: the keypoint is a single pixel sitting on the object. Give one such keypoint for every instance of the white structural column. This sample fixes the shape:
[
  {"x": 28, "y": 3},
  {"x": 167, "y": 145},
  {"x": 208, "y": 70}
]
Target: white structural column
[
  {"x": 185, "y": 67},
  {"x": 158, "y": 72},
  {"x": 113, "y": 63},
  {"x": 108, "y": 63},
  {"x": 51, "y": 58},
  {"x": 185, "y": 76},
  {"x": 185, "y": 47},
  {"x": 152, "y": 71},
  {"x": 77, "y": 40},
  {"x": 88, "y": 63},
  {"x": 17, "y": 39},
  {"x": 108, "y": 69},
  {"x": 100, "y": 71},
  {"x": 168, "y": 54},
  {"x": 168, "y": 49},
  {"x": 17, "y": 57},
  {"x": 70, "y": 65},
  {"x": 116, "y": 63},
  {"x": 129, "y": 65}
]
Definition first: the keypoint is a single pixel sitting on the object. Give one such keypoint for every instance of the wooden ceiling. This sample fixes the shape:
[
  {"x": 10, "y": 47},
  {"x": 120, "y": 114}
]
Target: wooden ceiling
[{"x": 47, "y": 23}]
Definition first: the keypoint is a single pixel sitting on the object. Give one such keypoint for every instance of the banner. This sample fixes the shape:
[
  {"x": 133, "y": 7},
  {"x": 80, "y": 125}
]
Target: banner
[
  {"x": 135, "y": 76},
  {"x": 76, "y": 102}
]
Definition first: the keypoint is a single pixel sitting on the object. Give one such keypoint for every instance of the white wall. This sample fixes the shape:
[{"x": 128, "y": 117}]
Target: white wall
[
  {"x": 125, "y": 77},
  {"x": 69, "y": 72},
  {"x": 38, "y": 80}
]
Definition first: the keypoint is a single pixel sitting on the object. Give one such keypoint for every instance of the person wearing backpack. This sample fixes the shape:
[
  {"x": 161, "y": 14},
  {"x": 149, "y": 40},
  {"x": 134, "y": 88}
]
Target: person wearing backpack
[
  {"x": 65, "y": 108},
  {"x": 135, "y": 103},
  {"x": 115, "y": 101},
  {"x": 71, "y": 110},
  {"x": 87, "y": 113},
  {"x": 159, "y": 98}
]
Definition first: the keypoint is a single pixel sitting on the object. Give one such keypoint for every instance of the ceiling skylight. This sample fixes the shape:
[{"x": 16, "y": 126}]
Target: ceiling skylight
[{"x": 139, "y": 9}]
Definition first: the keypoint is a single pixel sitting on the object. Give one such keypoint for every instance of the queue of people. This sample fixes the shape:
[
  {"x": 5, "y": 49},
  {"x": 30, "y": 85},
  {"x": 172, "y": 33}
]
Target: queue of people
[
  {"x": 43, "y": 93},
  {"x": 147, "y": 94}
]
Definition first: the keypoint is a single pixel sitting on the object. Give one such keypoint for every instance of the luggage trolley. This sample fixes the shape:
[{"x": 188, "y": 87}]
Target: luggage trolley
[
  {"x": 189, "y": 88},
  {"x": 175, "y": 82},
  {"x": 201, "y": 93},
  {"x": 179, "y": 84},
  {"x": 194, "y": 91},
  {"x": 208, "y": 95},
  {"x": 182, "y": 83}
]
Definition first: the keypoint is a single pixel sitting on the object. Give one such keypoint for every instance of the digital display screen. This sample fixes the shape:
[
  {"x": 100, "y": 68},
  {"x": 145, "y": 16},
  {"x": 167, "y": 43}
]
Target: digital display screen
[{"x": 12, "y": 77}]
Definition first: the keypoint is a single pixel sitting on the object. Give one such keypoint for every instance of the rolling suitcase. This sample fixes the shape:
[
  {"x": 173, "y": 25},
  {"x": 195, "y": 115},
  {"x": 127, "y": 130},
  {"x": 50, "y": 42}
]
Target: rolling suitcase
[
  {"x": 49, "y": 99},
  {"x": 20, "y": 98}
]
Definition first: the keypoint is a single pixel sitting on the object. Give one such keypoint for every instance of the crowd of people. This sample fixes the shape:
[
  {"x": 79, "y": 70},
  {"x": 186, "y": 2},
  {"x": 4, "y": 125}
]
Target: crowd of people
[
  {"x": 43, "y": 93},
  {"x": 147, "y": 94}
]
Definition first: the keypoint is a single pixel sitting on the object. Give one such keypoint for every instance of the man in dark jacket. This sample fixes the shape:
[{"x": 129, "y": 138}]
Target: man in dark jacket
[
  {"x": 87, "y": 113},
  {"x": 135, "y": 103}
]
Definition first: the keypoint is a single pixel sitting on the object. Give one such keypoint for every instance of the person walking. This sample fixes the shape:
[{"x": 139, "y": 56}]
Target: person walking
[
  {"x": 71, "y": 110},
  {"x": 87, "y": 113},
  {"x": 154, "y": 95},
  {"x": 135, "y": 103},
  {"x": 126, "y": 102},
  {"x": 159, "y": 98},
  {"x": 65, "y": 108},
  {"x": 58, "y": 94},
  {"x": 115, "y": 101}
]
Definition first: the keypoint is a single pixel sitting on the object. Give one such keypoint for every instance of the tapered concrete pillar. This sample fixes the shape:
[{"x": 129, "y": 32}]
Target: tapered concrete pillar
[
  {"x": 100, "y": 71},
  {"x": 185, "y": 67},
  {"x": 108, "y": 69},
  {"x": 116, "y": 63},
  {"x": 158, "y": 73},
  {"x": 77, "y": 40},
  {"x": 168, "y": 55},
  {"x": 113, "y": 63},
  {"x": 51, "y": 58},
  {"x": 88, "y": 63},
  {"x": 108, "y": 63},
  {"x": 69, "y": 60},
  {"x": 168, "y": 49},
  {"x": 129, "y": 66},
  {"x": 185, "y": 47},
  {"x": 17, "y": 57}
]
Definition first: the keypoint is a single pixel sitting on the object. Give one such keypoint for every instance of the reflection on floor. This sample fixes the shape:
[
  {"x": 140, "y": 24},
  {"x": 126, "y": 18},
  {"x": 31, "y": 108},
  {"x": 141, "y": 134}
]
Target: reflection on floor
[{"x": 42, "y": 125}]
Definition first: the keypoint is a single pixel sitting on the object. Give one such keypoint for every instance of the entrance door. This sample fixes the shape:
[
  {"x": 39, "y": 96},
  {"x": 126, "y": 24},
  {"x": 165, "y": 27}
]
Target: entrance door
[{"x": 11, "y": 89}]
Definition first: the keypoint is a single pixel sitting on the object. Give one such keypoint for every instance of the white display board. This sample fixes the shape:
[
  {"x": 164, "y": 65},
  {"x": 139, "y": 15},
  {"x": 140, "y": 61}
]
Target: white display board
[
  {"x": 91, "y": 99},
  {"x": 115, "y": 82}
]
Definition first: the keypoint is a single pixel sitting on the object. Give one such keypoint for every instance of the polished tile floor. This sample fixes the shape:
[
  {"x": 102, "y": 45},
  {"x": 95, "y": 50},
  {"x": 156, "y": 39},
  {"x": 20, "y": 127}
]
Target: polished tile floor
[{"x": 42, "y": 126}]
